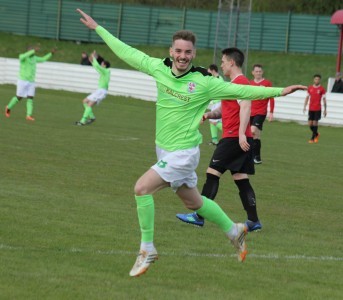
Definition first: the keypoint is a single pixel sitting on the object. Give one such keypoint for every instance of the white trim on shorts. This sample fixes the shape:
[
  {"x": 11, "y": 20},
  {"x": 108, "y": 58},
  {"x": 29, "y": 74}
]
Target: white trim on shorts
[
  {"x": 178, "y": 167},
  {"x": 97, "y": 96},
  {"x": 25, "y": 88}
]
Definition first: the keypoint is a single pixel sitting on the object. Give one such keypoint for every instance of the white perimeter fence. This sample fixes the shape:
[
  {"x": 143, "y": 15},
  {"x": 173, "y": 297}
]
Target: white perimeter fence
[{"x": 84, "y": 79}]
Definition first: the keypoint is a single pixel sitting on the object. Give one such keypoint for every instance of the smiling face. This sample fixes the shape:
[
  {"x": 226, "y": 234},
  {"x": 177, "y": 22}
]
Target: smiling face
[{"x": 182, "y": 52}]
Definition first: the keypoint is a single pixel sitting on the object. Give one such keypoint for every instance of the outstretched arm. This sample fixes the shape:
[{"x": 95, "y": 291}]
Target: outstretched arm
[
  {"x": 292, "y": 88},
  {"x": 93, "y": 56},
  {"x": 135, "y": 58}
]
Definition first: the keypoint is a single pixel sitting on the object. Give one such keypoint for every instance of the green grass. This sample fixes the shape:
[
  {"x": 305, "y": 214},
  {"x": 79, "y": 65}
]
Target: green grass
[
  {"x": 282, "y": 69},
  {"x": 69, "y": 229}
]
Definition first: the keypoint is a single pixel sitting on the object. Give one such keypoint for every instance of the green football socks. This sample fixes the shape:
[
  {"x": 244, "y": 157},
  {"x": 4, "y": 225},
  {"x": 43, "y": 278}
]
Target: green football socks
[
  {"x": 91, "y": 114},
  {"x": 214, "y": 131},
  {"x": 29, "y": 107},
  {"x": 146, "y": 216},
  {"x": 88, "y": 113},
  {"x": 212, "y": 212},
  {"x": 12, "y": 103}
]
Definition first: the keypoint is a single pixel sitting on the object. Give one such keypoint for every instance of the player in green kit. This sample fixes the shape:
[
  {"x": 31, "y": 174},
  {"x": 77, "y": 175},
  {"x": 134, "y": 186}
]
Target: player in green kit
[
  {"x": 183, "y": 94},
  {"x": 216, "y": 125},
  {"x": 100, "y": 94},
  {"x": 26, "y": 82}
]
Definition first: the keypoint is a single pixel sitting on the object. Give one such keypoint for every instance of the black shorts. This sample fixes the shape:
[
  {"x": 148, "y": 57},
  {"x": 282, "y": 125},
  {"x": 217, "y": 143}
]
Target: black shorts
[
  {"x": 257, "y": 121},
  {"x": 314, "y": 115},
  {"x": 230, "y": 156}
]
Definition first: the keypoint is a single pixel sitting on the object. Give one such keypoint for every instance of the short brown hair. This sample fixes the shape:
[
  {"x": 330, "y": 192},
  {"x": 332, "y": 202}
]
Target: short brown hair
[
  {"x": 186, "y": 35},
  {"x": 213, "y": 67},
  {"x": 257, "y": 66}
]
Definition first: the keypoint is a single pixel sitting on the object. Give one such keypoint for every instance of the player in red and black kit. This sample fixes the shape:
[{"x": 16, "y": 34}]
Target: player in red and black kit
[
  {"x": 315, "y": 93},
  {"x": 234, "y": 150},
  {"x": 259, "y": 109}
]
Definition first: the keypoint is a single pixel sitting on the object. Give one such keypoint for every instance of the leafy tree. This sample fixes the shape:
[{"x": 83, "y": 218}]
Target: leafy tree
[{"x": 320, "y": 7}]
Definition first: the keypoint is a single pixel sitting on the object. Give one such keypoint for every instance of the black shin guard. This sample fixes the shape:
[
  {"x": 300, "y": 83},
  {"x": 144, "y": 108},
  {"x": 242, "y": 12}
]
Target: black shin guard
[
  {"x": 257, "y": 147},
  {"x": 315, "y": 131},
  {"x": 211, "y": 186},
  {"x": 248, "y": 198}
]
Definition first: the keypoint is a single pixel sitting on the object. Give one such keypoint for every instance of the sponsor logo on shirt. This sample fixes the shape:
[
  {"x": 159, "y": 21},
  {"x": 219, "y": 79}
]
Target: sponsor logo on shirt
[{"x": 177, "y": 95}]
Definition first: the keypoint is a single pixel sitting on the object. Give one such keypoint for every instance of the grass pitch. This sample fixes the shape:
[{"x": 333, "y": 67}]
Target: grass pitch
[{"x": 68, "y": 224}]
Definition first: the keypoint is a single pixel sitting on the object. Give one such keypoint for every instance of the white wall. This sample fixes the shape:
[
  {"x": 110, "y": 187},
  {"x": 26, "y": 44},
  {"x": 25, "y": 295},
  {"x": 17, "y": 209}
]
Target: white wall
[
  {"x": 291, "y": 108},
  {"x": 84, "y": 79},
  {"x": 77, "y": 78}
]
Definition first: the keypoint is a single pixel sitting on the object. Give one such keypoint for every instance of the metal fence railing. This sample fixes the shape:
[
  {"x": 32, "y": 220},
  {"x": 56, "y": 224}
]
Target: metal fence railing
[{"x": 148, "y": 25}]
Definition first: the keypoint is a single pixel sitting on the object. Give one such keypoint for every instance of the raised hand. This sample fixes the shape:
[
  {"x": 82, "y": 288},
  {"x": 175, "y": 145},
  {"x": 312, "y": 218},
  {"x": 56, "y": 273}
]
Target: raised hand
[
  {"x": 87, "y": 20},
  {"x": 292, "y": 88}
]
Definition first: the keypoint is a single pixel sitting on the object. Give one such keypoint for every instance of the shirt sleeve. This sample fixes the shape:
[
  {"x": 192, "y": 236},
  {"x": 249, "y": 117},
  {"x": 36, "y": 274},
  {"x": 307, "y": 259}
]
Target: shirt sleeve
[
  {"x": 43, "y": 58},
  {"x": 132, "y": 56},
  {"x": 27, "y": 54},
  {"x": 97, "y": 67},
  {"x": 225, "y": 90}
]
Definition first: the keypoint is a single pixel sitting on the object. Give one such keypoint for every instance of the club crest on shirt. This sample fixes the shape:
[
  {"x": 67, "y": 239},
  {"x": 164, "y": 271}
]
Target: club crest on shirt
[{"x": 191, "y": 87}]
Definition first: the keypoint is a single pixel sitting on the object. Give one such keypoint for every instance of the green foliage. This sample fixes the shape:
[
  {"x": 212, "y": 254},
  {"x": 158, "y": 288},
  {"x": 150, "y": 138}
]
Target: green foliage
[
  {"x": 69, "y": 229},
  {"x": 317, "y": 7}
]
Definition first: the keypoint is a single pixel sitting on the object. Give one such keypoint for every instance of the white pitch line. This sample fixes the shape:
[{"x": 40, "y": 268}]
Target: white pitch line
[
  {"x": 115, "y": 137},
  {"x": 271, "y": 256},
  {"x": 128, "y": 138}
]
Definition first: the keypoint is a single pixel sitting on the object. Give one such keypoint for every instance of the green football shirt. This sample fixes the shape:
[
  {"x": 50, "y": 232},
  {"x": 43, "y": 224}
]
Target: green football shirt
[
  {"x": 28, "y": 61},
  {"x": 105, "y": 75},
  {"x": 181, "y": 100}
]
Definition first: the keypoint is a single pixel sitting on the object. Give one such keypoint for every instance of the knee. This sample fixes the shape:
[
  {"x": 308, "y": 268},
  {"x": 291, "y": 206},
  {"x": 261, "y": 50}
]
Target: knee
[
  {"x": 192, "y": 201},
  {"x": 239, "y": 176},
  {"x": 254, "y": 132},
  {"x": 140, "y": 189},
  {"x": 212, "y": 173}
]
